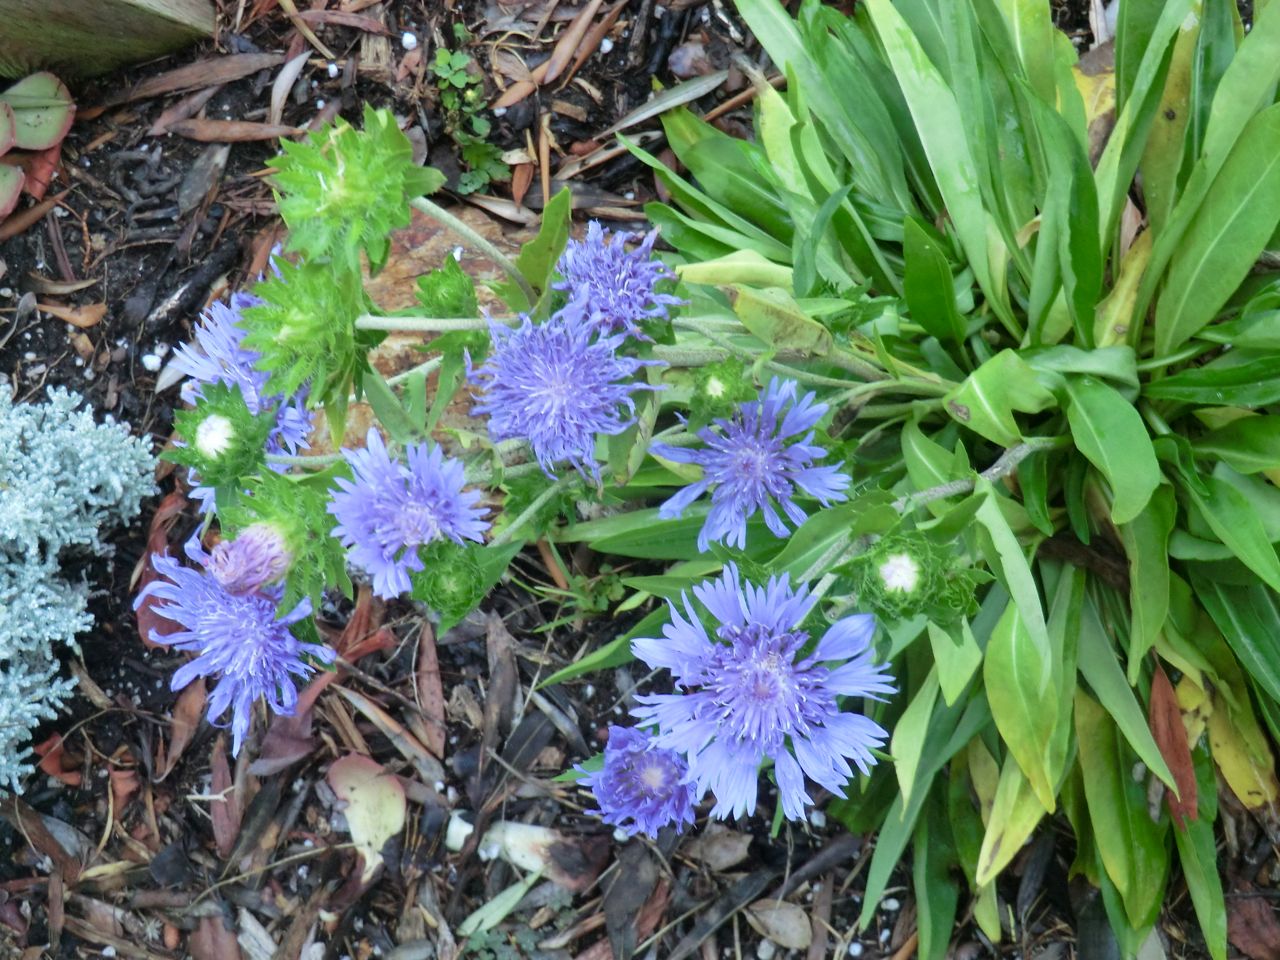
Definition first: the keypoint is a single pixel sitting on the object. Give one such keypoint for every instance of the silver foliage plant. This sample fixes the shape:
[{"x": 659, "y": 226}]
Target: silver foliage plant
[{"x": 64, "y": 481}]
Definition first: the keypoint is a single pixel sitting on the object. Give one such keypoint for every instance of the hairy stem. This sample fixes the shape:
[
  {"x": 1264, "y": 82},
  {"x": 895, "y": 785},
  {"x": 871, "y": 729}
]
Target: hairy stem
[
  {"x": 531, "y": 511},
  {"x": 1007, "y": 463},
  {"x": 371, "y": 321},
  {"x": 443, "y": 216}
]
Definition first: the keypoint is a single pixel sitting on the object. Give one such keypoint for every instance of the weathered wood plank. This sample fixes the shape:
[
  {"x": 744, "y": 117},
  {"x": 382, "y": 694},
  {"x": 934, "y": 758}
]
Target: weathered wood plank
[{"x": 82, "y": 38}]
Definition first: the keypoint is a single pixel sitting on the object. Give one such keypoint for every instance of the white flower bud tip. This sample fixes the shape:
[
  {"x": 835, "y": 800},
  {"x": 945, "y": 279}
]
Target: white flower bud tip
[
  {"x": 900, "y": 572},
  {"x": 214, "y": 435}
]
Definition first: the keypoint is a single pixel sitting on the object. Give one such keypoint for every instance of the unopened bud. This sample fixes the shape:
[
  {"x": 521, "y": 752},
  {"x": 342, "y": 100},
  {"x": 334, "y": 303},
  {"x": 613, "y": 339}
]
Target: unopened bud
[
  {"x": 214, "y": 435},
  {"x": 257, "y": 557}
]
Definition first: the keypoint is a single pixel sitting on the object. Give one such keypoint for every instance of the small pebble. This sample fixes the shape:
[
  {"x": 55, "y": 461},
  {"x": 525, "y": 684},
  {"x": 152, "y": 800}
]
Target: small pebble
[
  {"x": 439, "y": 785},
  {"x": 588, "y": 691},
  {"x": 6, "y": 292},
  {"x": 499, "y": 111},
  {"x": 885, "y": 934},
  {"x": 457, "y": 253},
  {"x": 890, "y": 905},
  {"x": 333, "y": 71},
  {"x": 150, "y": 362},
  {"x": 818, "y": 819},
  {"x": 630, "y": 194},
  {"x": 855, "y": 949},
  {"x": 606, "y": 45},
  {"x": 409, "y": 40},
  {"x": 620, "y": 835},
  {"x": 28, "y": 356},
  {"x": 319, "y": 104},
  {"x": 766, "y": 950},
  {"x": 108, "y": 951}
]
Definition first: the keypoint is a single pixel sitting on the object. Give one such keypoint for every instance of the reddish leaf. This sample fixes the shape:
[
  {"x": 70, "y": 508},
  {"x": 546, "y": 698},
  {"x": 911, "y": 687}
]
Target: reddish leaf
[
  {"x": 430, "y": 692},
  {"x": 124, "y": 784},
  {"x": 186, "y": 720},
  {"x": 40, "y": 167},
  {"x": 52, "y": 761},
  {"x": 148, "y": 620},
  {"x": 211, "y": 940},
  {"x": 341, "y": 19},
  {"x": 1252, "y": 927},
  {"x": 1170, "y": 735},
  {"x": 89, "y": 315},
  {"x": 203, "y": 73},
  {"x": 225, "y": 812},
  {"x": 521, "y": 178}
]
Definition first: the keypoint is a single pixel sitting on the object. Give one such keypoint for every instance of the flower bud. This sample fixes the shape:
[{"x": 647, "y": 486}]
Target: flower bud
[
  {"x": 257, "y": 557},
  {"x": 214, "y": 436}
]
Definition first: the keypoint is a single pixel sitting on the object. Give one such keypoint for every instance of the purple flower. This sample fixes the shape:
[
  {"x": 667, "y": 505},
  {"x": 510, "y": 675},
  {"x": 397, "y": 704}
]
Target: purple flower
[
  {"x": 618, "y": 285},
  {"x": 749, "y": 694},
  {"x": 551, "y": 385},
  {"x": 752, "y": 461},
  {"x": 641, "y": 787},
  {"x": 239, "y": 638},
  {"x": 391, "y": 510},
  {"x": 254, "y": 559}
]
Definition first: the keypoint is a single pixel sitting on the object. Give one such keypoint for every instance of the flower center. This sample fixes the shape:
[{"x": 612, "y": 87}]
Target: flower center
[
  {"x": 418, "y": 524},
  {"x": 214, "y": 435},
  {"x": 653, "y": 776},
  {"x": 900, "y": 572}
]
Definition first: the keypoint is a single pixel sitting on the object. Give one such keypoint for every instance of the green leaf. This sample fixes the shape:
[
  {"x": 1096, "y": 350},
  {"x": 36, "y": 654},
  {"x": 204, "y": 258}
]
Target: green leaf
[
  {"x": 1024, "y": 707},
  {"x": 1014, "y": 815},
  {"x": 773, "y": 315},
  {"x": 870, "y": 513},
  {"x": 909, "y": 734},
  {"x": 1009, "y": 563},
  {"x": 1146, "y": 542},
  {"x": 1110, "y": 433},
  {"x": 1099, "y": 666},
  {"x": 1130, "y": 844},
  {"x": 615, "y": 653},
  {"x": 941, "y": 129},
  {"x": 937, "y": 894},
  {"x": 1234, "y": 521},
  {"x": 928, "y": 285},
  {"x": 1249, "y": 618},
  {"x": 538, "y": 257},
  {"x": 985, "y": 401},
  {"x": 957, "y": 659},
  {"x": 1249, "y": 444},
  {"x": 388, "y": 408},
  {"x": 1232, "y": 380},
  {"x": 1198, "y": 854},
  {"x": 1239, "y": 214},
  {"x": 447, "y": 291}
]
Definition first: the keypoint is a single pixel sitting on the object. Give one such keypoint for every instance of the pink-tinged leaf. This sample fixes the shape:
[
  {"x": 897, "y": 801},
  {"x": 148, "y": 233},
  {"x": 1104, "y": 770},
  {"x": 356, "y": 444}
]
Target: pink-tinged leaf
[
  {"x": 225, "y": 812},
  {"x": 42, "y": 110},
  {"x": 186, "y": 721},
  {"x": 8, "y": 128},
  {"x": 11, "y": 180},
  {"x": 375, "y": 806}
]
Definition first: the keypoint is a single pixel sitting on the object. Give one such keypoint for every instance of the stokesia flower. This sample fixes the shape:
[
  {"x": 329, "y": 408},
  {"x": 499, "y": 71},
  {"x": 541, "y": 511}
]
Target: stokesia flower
[
  {"x": 239, "y": 638},
  {"x": 642, "y": 787},
  {"x": 257, "y": 557},
  {"x": 390, "y": 510},
  {"x": 748, "y": 694},
  {"x": 617, "y": 283},
  {"x": 753, "y": 460},
  {"x": 554, "y": 386}
]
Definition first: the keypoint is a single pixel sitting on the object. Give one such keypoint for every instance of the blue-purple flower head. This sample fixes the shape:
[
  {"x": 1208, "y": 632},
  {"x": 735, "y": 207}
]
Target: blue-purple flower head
[
  {"x": 391, "y": 509},
  {"x": 256, "y": 558},
  {"x": 556, "y": 385},
  {"x": 217, "y": 355},
  {"x": 747, "y": 693},
  {"x": 754, "y": 460},
  {"x": 619, "y": 284},
  {"x": 240, "y": 638},
  {"x": 641, "y": 788}
]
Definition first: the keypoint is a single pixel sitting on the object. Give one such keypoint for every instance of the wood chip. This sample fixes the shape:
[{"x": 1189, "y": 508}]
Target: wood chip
[
  {"x": 203, "y": 73},
  {"x": 230, "y": 131},
  {"x": 188, "y": 106}
]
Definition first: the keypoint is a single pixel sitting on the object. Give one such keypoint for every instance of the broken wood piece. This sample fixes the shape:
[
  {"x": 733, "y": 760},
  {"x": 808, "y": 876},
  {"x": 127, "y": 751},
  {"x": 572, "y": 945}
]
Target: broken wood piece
[{"x": 78, "y": 39}]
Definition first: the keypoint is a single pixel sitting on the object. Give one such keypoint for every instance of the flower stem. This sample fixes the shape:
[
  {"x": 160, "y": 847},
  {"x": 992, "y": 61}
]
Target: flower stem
[
  {"x": 443, "y": 216},
  {"x": 1007, "y": 463},
  {"x": 314, "y": 460},
  {"x": 531, "y": 511},
  {"x": 422, "y": 324}
]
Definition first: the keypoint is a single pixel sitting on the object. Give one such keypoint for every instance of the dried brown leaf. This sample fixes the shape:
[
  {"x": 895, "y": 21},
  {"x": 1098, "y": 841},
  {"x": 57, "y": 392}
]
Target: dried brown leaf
[
  {"x": 503, "y": 696},
  {"x": 1252, "y": 927},
  {"x": 429, "y": 692},
  {"x": 226, "y": 811},
  {"x": 785, "y": 923},
  {"x": 551, "y": 68},
  {"x": 203, "y": 73},
  {"x": 147, "y": 619},
  {"x": 719, "y": 848},
  {"x": 188, "y": 106},
  {"x": 283, "y": 84},
  {"x": 211, "y": 940},
  {"x": 187, "y": 712},
  {"x": 427, "y": 766},
  {"x": 341, "y": 18},
  {"x": 230, "y": 131},
  {"x": 59, "y": 288},
  {"x": 84, "y": 317},
  {"x": 21, "y": 221}
]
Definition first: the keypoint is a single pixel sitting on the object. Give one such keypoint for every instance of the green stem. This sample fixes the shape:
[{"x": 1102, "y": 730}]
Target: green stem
[
  {"x": 423, "y": 324},
  {"x": 1007, "y": 463},
  {"x": 314, "y": 460},
  {"x": 426, "y": 369},
  {"x": 443, "y": 216},
  {"x": 531, "y": 511}
]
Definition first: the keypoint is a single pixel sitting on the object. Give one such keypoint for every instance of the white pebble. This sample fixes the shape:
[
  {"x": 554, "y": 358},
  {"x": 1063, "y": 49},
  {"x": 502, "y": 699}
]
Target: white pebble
[
  {"x": 620, "y": 835},
  {"x": 885, "y": 934},
  {"x": 855, "y": 949},
  {"x": 28, "y": 356},
  {"x": 606, "y": 45},
  {"x": 766, "y": 950},
  {"x": 160, "y": 348},
  {"x": 630, "y": 194},
  {"x": 6, "y": 292},
  {"x": 499, "y": 111},
  {"x": 108, "y": 951},
  {"x": 818, "y": 819},
  {"x": 890, "y": 905},
  {"x": 333, "y": 71},
  {"x": 439, "y": 785},
  {"x": 150, "y": 362},
  {"x": 457, "y": 253},
  {"x": 589, "y": 691},
  {"x": 319, "y": 104},
  {"x": 409, "y": 40}
]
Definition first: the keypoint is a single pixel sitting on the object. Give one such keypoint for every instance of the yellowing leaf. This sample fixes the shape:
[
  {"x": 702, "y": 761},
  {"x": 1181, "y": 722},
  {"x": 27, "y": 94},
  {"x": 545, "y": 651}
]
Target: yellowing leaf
[
  {"x": 375, "y": 806},
  {"x": 1241, "y": 752},
  {"x": 1014, "y": 815},
  {"x": 741, "y": 266}
]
